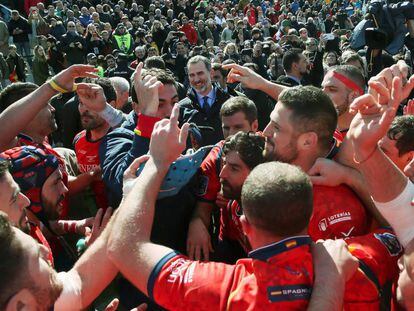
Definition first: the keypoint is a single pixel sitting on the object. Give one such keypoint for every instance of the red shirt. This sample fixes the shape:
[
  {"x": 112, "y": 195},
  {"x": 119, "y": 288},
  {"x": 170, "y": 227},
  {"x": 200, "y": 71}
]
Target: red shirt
[
  {"x": 24, "y": 140},
  {"x": 230, "y": 225},
  {"x": 37, "y": 234},
  {"x": 337, "y": 213},
  {"x": 378, "y": 253},
  {"x": 275, "y": 277},
  {"x": 87, "y": 154}
]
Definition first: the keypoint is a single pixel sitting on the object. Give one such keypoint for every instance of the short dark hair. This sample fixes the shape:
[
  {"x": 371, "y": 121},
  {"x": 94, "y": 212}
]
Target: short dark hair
[
  {"x": 106, "y": 85},
  {"x": 163, "y": 76},
  {"x": 278, "y": 198},
  {"x": 351, "y": 72},
  {"x": 402, "y": 131},
  {"x": 219, "y": 67},
  {"x": 154, "y": 62},
  {"x": 239, "y": 104},
  {"x": 13, "y": 264},
  {"x": 249, "y": 146},
  {"x": 14, "y": 92},
  {"x": 312, "y": 111},
  {"x": 291, "y": 56},
  {"x": 199, "y": 58}
]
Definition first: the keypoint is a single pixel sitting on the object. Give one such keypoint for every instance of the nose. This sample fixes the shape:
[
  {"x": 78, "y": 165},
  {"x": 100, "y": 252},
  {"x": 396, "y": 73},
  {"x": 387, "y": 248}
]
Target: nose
[{"x": 23, "y": 201}]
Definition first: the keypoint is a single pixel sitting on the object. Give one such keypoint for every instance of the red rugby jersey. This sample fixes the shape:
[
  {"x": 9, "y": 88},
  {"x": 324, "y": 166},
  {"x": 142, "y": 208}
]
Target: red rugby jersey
[
  {"x": 275, "y": 277},
  {"x": 337, "y": 213},
  {"x": 87, "y": 154},
  {"x": 378, "y": 253}
]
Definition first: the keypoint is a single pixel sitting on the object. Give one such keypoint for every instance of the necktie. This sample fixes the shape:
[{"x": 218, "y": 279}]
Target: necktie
[{"x": 206, "y": 106}]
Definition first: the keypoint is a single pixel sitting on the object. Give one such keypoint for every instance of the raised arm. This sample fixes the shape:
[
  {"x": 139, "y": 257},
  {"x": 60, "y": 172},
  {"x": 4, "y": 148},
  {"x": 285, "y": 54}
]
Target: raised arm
[
  {"x": 129, "y": 245},
  {"x": 15, "y": 118},
  {"x": 252, "y": 80}
]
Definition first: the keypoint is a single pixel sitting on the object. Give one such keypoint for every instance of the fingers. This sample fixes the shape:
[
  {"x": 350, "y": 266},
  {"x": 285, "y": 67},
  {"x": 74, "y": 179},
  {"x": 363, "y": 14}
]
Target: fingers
[
  {"x": 106, "y": 217},
  {"x": 113, "y": 305},
  {"x": 83, "y": 71},
  {"x": 362, "y": 103},
  {"x": 138, "y": 71},
  {"x": 190, "y": 250},
  {"x": 184, "y": 133},
  {"x": 206, "y": 249},
  {"x": 174, "y": 115},
  {"x": 197, "y": 255},
  {"x": 318, "y": 180},
  {"x": 383, "y": 94},
  {"x": 137, "y": 163},
  {"x": 97, "y": 220},
  {"x": 408, "y": 87},
  {"x": 141, "y": 307}
]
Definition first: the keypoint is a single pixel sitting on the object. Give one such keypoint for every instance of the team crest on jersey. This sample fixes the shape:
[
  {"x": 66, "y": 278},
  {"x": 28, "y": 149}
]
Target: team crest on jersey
[
  {"x": 289, "y": 293},
  {"x": 390, "y": 241}
]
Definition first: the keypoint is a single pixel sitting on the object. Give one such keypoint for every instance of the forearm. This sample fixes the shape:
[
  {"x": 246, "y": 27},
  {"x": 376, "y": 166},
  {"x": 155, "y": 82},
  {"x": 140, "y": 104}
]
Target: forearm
[
  {"x": 203, "y": 212},
  {"x": 16, "y": 117},
  {"x": 113, "y": 116},
  {"x": 328, "y": 292},
  {"x": 79, "y": 183},
  {"x": 272, "y": 89},
  {"x": 94, "y": 260},
  {"x": 378, "y": 164},
  {"x": 356, "y": 182},
  {"x": 133, "y": 229}
]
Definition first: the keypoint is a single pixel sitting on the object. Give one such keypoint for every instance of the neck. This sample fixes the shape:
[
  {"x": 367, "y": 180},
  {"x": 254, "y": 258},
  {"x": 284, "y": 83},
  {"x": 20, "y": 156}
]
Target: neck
[
  {"x": 297, "y": 75},
  {"x": 344, "y": 121},
  {"x": 99, "y": 132},
  {"x": 306, "y": 161},
  {"x": 261, "y": 239}
]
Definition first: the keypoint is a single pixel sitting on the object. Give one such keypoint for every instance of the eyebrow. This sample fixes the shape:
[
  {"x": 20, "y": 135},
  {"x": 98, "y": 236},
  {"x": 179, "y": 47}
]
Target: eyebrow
[{"x": 15, "y": 194}]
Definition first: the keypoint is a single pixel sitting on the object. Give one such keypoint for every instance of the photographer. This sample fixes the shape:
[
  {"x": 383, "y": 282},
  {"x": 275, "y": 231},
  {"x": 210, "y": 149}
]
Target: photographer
[{"x": 73, "y": 45}]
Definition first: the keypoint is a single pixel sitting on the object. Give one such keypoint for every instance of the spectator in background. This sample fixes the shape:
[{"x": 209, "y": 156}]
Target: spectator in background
[
  {"x": 55, "y": 58},
  {"x": 20, "y": 29},
  {"x": 16, "y": 64},
  {"x": 4, "y": 38},
  {"x": 73, "y": 44},
  {"x": 40, "y": 68}
]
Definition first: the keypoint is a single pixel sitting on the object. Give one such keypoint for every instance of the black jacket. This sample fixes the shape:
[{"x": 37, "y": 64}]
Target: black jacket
[
  {"x": 191, "y": 111},
  {"x": 287, "y": 81}
]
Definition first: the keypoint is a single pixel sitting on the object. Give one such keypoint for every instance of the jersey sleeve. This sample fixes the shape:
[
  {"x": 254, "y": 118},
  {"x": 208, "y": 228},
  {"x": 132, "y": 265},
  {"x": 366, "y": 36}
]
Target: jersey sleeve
[
  {"x": 379, "y": 251},
  {"x": 178, "y": 283},
  {"x": 209, "y": 175}
]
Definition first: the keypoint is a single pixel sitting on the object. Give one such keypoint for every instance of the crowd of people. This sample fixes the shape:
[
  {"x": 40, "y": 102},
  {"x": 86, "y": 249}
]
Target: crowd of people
[{"x": 205, "y": 155}]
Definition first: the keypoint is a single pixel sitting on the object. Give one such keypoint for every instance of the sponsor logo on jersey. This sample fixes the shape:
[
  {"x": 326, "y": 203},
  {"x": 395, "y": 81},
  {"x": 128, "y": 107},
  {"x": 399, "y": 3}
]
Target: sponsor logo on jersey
[
  {"x": 324, "y": 223},
  {"x": 289, "y": 293}
]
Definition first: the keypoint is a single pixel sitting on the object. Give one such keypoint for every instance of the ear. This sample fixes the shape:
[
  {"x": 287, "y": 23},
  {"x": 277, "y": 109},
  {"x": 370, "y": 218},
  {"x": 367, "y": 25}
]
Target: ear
[
  {"x": 308, "y": 141},
  {"x": 246, "y": 226},
  {"x": 255, "y": 126},
  {"x": 23, "y": 300}
]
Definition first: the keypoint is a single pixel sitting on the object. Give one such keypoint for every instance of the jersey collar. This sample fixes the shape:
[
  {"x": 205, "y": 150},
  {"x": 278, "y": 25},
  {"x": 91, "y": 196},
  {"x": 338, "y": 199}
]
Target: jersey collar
[{"x": 268, "y": 251}]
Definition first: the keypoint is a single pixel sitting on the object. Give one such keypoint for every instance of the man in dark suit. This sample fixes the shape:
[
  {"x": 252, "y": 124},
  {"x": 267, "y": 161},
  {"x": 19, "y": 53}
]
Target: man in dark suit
[{"x": 295, "y": 65}]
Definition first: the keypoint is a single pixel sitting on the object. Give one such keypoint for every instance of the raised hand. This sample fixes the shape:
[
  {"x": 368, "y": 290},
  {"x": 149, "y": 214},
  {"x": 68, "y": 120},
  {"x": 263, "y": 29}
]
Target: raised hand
[
  {"x": 373, "y": 117},
  {"x": 409, "y": 108},
  {"x": 247, "y": 77},
  {"x": 130, "y": 174},
  {"x": 147, "y": 92},
  {"x": 99, "y": 223},
  {"x": 168, "y": 140},
  {"x": 92, "y": 96},
  {"x": 66, "y": 78}
]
